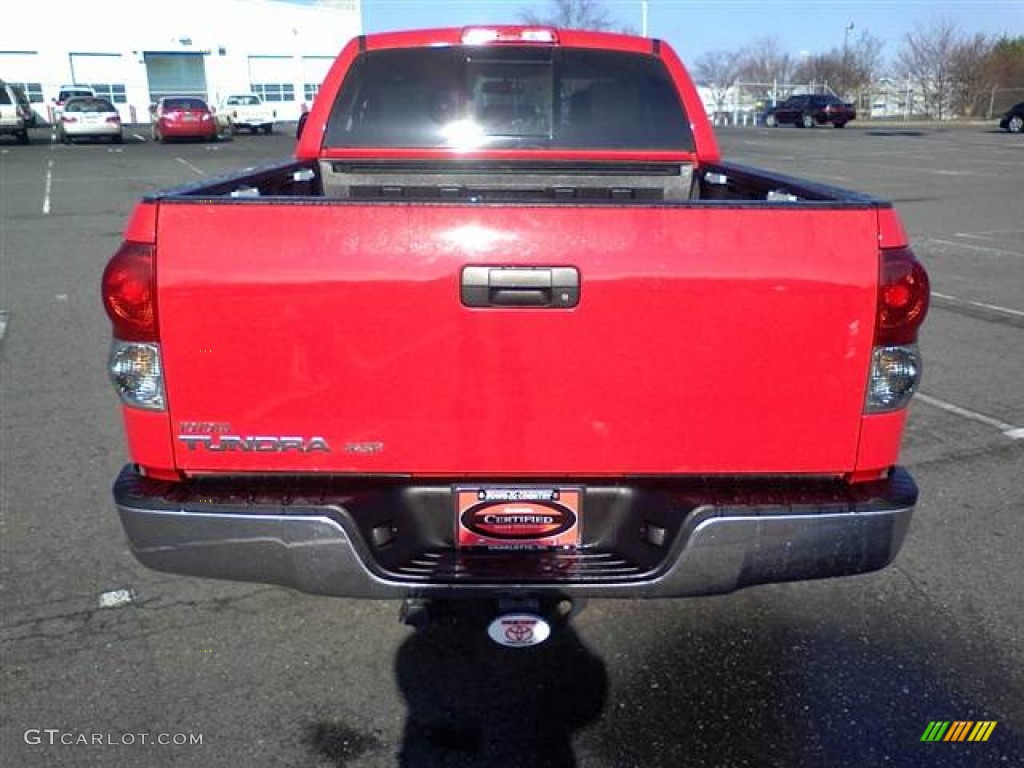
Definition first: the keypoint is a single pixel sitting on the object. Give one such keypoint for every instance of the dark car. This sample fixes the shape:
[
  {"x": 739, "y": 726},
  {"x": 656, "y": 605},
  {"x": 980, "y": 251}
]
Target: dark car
[
  {"x": 183, "y": 117},
  {"x": 808, "y": 110},
  {"x": 1013, "y": 120}
]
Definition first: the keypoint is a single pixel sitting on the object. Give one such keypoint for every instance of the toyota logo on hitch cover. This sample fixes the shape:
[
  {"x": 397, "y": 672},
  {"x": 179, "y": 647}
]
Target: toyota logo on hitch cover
[{"x": 519, "y": 630}]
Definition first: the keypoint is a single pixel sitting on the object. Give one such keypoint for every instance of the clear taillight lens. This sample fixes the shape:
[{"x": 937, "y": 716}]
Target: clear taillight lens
[
  {"x": 895, "y": 377},
  {"x": 138, "y": 374}
]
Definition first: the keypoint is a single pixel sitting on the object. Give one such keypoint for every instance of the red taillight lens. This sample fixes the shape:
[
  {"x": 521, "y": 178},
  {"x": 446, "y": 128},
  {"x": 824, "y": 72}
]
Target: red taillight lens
[
  {"x": 114, "y": 119},
  {"x": 129, "y": 292},
  {"x": 903, "y": 295}
]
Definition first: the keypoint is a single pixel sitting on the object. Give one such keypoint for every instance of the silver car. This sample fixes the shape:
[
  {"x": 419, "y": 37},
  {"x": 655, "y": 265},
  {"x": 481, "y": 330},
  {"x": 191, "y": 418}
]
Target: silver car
[{"x": 89, "y": 117}]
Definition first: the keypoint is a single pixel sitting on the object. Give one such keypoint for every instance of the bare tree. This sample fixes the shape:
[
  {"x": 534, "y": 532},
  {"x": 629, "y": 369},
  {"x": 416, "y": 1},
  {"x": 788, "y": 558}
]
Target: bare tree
[
  {"x": 1005, "y": 65},
  {"x": 863, "y": 62},
  {"x": 928, "y": 59},
  {"x": 571, "y": 14},
  {"x": 974, "y": 77},
  {"x": 718, "y": 71},
  {"x": 822, "y": 69},
  {"x": 849, "y": 71},
  {"x": 764, "y": 62}
]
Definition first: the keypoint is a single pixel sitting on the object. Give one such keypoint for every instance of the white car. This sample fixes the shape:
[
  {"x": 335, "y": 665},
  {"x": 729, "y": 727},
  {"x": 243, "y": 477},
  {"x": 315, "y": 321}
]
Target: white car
[
  {"x": 89, "y": 117},
  {"x": 67, "y": 92},
  {"x": 247, "y": 110}
]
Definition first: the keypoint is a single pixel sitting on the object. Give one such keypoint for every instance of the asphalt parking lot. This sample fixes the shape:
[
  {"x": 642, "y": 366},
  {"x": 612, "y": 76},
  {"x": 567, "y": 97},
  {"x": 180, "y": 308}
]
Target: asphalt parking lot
[{"x": 838, "y": 673}]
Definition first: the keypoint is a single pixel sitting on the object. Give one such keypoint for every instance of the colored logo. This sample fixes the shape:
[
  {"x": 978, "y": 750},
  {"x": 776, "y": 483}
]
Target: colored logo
[
  {"x": 959, "y": 730},
  {"x": 519, "y": 630}
]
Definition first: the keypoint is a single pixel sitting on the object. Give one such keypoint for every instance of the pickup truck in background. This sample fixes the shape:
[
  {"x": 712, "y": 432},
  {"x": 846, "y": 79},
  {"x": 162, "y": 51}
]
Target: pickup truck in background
[
  {"x": 808, "y": 110},
  {"x": 248, "y": 110},
  {"x": 508, "y": 327}
]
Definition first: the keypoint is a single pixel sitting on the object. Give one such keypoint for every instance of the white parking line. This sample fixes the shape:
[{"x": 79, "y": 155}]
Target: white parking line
[
  {"x": 117, "y": 598},
  {"x": 189, "y": 165},
  {"x": 1008, "y": 430},
  {"x": 979, "y": 248},
  {"x": 3, "y": 323},
  {"x": 980, "y": 304},
  {"x": 49, "y": 187}
]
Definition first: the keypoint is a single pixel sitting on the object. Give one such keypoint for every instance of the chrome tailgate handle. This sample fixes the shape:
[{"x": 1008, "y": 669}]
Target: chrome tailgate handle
[{"x": 537, "y": 287}]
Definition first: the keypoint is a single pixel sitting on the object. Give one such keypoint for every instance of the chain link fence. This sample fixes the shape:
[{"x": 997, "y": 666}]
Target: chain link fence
[{"x": 746, "y": 103}]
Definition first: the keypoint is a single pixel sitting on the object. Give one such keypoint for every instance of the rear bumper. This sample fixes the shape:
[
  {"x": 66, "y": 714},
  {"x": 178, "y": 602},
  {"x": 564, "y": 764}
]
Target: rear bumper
[
  {"x": 390, "y": 539},
  {"x": 195, "y": 130}
]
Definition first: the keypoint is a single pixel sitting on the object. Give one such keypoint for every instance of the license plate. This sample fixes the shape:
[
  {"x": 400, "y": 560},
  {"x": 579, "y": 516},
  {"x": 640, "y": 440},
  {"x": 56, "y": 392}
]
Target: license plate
[
  {"x": 190, "y": 118},
  {"x": 518, "y": 517}
]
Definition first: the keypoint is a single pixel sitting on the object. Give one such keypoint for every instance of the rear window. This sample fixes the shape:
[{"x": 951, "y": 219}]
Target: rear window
[
  {"x": 184, "y": 104},
  {"x": 89, "y": 105},
  {"x": 70, "y": 93},
  {"x": 508, "y": 97}
]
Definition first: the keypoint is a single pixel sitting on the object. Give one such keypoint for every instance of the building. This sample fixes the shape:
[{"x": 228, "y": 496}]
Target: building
[{"x": 134, "y": 52}]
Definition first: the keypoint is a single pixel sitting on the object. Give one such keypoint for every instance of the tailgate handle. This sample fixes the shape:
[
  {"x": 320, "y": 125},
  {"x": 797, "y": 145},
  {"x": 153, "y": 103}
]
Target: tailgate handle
[{"x": 539, "y": 287}]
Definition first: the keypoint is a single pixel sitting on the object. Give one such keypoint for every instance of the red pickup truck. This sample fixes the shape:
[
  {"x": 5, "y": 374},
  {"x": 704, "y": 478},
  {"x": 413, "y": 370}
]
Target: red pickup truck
[{"x": 507, "y": 326}]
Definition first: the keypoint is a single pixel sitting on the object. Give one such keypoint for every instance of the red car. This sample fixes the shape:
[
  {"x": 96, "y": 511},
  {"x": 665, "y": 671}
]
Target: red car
[{"x": 182, "y": 117}]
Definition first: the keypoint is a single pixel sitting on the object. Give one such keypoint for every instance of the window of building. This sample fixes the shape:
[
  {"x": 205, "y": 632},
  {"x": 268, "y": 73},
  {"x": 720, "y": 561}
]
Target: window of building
[
  {"x": 34, "y": 91},
  {"x": 114, "y": 92},
  {"x": 309, "y": 91},
  {"x": 274, "y": 91}
]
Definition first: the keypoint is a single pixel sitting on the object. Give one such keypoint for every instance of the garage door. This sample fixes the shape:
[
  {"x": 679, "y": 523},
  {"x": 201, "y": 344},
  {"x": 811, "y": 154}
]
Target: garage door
[
  {"x": 176, "y": 74},
  {"x": 272, "y": 77},
  {"x": 105, "y": 72},
  {"x": 314, "y": 70}
]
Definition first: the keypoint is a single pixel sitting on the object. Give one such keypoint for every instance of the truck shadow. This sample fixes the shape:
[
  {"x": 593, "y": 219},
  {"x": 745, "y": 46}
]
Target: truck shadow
[{"x": 474, "y": 703}]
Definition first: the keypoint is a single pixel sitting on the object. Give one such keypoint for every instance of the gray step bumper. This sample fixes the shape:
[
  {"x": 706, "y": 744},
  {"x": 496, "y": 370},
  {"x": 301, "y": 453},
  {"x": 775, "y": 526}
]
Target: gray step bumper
[{"x": 389, "y": 539}]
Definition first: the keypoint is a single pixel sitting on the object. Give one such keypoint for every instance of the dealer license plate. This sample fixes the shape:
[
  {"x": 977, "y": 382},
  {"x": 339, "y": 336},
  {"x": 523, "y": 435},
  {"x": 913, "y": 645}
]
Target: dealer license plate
[{"x": 518, "y": 517}]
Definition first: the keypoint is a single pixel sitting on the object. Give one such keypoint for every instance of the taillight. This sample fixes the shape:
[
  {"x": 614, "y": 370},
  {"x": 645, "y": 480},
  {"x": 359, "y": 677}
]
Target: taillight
[
  {"x": 896, "y": 368},
  {"x": 116, "y": 120},
  {"x": 508, "y": 34},
  {"x": 129, "y": 296},
  {"x": 137, "y": 373},
  {"x": 66, "y": 118},
  {"x": 129, "y": 292},
  {"x": 903, "y": 294}
]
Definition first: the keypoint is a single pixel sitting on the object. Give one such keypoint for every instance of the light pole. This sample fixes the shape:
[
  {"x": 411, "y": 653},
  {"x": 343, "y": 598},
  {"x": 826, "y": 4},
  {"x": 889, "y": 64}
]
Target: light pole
[
  {"x": 846, "y": 58},
  {"x": 643, "y": 18}
]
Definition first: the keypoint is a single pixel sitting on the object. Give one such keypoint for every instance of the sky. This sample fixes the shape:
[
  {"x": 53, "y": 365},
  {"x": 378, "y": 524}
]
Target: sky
[{"x": 693, "y": 27}]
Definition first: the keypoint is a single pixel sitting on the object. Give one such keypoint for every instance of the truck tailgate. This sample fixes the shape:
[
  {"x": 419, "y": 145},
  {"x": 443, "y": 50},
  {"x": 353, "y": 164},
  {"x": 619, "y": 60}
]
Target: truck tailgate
[{"x": 310, "y": 337}]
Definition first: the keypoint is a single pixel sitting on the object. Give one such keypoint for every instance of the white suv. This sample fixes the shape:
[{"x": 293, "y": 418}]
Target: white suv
[{"x": 15, "y": 112}]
